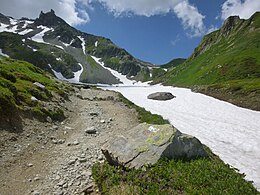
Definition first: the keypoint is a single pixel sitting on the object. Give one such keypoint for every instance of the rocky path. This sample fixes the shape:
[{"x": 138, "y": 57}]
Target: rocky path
[{"x": 56, "y": 158}]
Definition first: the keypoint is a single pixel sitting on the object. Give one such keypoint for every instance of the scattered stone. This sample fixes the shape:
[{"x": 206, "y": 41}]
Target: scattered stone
[
  {"x": 36, "y": 178},
  {"x": 36, "y": 193},
  {"x": 55, "y": 127},
  {"x": 79, "y": 96},
  {"x": 48, "y": 119},
  {"x": 61, "y": 141},
  {"x": 67, "y": 128},
  {"x": 34, "y": 99},
  {"x": 161, "y": 96},
  {"x": 93, "y": 114},
  {"x": 110, "y": 119},
  {"x": 29, "y": 164},
  {"x": 102, "y": 121},
  {"x": 61, "y": 183},
  {"x": 91, "y": 130},
  {"x": 71, "y": 162},
  {"x": 54, "y": 141},
  {"x": 39, "y": 85},
  {"x": 82, "y": 160}
]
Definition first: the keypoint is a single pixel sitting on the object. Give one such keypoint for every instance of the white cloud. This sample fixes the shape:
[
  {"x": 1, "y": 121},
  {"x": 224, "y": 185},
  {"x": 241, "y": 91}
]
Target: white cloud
[
  {"x": 140, "y": 7},
  {"x": 244, "y": 9},
  {"x": 191, "y": 18},
  {"x": 176, "y": 40},
  {"x": 66, "y": 9},
  {"x": 76, "y": 11},
  {"x": 189, "y": 15}
]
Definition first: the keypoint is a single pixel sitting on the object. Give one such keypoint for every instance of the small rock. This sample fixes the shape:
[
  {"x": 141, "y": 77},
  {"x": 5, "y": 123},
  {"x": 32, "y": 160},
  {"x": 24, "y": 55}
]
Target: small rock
[
  {"x": 61, "y": 183},
  {"x": 29, "y": 164},
  {"x": 93, "y": 114},
  {"x": 91, "y": 130},
  {"x": 36, "y": 193},
  {"x": 110, "y": 119},
  {"x": 61, "y": 141},
  {"x": 83, "y": 160},
  {"x": 71, "y": 162},
  {"x": 79, "y": 96},
  {"x": 39, "y": 85},
  {"x": 55, "y": 127},
  {"x": 54, "y": 141},
  {"x": 36, "y": 178},
  {"x": 75, "y": 143},
  {"x": 102, "y": 121},
  {"x": 48, "y": 119},
  {"x": 34, "y": 99},
  {"x": 67, "y": 128}
]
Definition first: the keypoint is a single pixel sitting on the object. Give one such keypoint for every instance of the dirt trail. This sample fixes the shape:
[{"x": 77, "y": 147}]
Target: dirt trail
[{"x": 56, "y": 158}]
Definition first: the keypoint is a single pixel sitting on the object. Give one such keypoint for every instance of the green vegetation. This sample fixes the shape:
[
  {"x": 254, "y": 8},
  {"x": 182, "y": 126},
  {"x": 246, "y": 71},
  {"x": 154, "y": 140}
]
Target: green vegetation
[
  {"x": 143, "y": 115},
  {"x": 201, "y": 176},
  {"x": 227, "y": 59},
  {"x": 17, "y": 89},
  {"x": 39, "y": 54},
  {"x": 173, "y": 63}
]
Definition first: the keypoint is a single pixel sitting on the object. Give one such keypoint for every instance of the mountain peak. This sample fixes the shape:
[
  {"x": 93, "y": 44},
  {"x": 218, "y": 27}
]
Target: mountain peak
[{"x": 49, "y": 19}]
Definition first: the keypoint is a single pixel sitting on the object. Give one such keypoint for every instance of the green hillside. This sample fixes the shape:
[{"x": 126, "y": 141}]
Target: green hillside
[
  {"x": 226, "y": 64},
  {"x": 173, "y": 63},
  {"x": 20, "y": 96}
]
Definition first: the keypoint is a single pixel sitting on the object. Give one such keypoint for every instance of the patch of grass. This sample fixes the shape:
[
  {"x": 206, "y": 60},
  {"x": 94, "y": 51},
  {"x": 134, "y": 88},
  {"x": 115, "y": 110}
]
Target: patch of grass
[
  {"x": 143, "y": 115},
  {"x": 17, "y": 88},
  {"x": 201, "y": 176}
]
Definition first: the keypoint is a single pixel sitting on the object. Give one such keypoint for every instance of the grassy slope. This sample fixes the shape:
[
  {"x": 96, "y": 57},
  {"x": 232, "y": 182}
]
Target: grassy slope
[
  {"x": 173, "y": 63},
  {"x": 231, "y": 66},
  {"x": 17, "y": 88},
  {"x": 201, "y": 176}
]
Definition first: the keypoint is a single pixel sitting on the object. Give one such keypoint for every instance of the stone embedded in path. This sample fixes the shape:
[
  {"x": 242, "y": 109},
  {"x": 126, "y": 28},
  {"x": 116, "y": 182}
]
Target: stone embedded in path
[
  {"x": 161, "y": 96},
  {"x": 91, "y": 130},
  {"x": 146, "y": 144}
]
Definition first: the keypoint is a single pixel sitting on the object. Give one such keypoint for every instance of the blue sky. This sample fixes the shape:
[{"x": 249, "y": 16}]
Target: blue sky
[
  {"x": 157, "y": 39},
  {"x": 152, "y": 30}
]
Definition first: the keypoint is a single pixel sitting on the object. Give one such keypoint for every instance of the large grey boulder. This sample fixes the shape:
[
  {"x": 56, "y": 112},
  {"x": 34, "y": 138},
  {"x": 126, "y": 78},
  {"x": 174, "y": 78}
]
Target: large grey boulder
[
  {"x": 161, "y": 96},
  {"x": 146, "y": 144}
]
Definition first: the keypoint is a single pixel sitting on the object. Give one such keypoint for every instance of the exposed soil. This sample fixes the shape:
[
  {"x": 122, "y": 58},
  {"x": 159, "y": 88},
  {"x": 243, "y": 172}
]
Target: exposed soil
[{"x": 56, "y": 157}]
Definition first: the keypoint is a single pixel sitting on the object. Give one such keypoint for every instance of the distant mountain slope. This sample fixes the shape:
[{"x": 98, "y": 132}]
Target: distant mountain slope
[
  {"x": 173, "y": 63},
  {"x": 58, "y": 39},
  {"x": 226, "y": 63}
]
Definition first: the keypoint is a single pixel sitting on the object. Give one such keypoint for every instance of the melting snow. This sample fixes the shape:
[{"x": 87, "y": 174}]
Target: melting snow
[
  {"x": 96, "y": 43},
  {"x": 1, "y": 53},
  {"x": 25, "y": 31},
  {"x": 83, "y": 44},
  {"x": 3, "y": 27},
  {"x": 72, "y": 80},
  {"x": 39, "y": 37},
  {"x": 231, "y": 132},
  {"x": 118, "y": 75}
]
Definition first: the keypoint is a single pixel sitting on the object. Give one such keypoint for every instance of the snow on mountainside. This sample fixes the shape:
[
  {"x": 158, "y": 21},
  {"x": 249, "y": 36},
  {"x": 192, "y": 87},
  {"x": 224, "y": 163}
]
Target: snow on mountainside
[{"x": 52, "y": 30}]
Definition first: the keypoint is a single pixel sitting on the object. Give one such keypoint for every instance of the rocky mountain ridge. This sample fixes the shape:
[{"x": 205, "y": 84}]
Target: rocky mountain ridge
[{"x": 53, "y": 35}]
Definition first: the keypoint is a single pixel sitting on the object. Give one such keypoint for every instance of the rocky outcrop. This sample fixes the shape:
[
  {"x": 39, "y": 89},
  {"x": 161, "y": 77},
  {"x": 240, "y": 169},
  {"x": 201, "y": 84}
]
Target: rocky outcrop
[
  {"x": 161, "y": 96},
  {"x": 146, "y": 144},
  {"x": 49, "y": 19}
]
